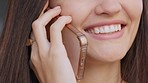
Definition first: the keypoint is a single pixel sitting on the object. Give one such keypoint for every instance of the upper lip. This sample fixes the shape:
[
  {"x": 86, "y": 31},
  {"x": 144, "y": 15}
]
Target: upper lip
[{"x": 99, "y": 24}]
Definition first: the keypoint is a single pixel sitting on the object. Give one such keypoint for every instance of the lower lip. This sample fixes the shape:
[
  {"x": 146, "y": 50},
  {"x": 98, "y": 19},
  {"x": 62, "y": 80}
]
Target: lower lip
[{"x": 108, "y": 36}]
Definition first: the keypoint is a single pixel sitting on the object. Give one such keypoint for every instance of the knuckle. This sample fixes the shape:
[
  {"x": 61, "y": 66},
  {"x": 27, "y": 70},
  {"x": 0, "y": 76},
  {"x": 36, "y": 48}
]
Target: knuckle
[
  {"x": 36, "y": 23},
  {"x": 34, "y": 59},
  {"x": 54, "y": 27}
]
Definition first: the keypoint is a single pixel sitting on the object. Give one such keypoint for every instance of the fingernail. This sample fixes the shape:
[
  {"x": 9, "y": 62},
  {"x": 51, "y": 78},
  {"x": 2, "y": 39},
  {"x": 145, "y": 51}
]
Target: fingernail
[
  {"x": 58, "y": 7},
  {"x": 70, "y": 18}
]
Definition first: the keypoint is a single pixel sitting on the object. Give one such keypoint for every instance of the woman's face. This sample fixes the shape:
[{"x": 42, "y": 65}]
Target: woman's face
[{"x": 109, "y": 25}]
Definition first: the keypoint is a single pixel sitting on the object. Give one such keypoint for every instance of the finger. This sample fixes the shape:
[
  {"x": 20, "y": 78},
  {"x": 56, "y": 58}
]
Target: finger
[
  {"x": 39, "y": 27},
  {"x": 34, "y": 46},
  {"x": 34, "y": 50},
  {"x": 51, "y": 13},
  {"x": 34, "y": 53},
  {"x": 32, "y": 36},
  {"x": 56, "y": 28},
  {"x": 35, "y": 58}
]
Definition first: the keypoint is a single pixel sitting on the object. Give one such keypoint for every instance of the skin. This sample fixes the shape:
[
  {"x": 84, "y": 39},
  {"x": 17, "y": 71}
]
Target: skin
[{"x": 50, "y": 61}]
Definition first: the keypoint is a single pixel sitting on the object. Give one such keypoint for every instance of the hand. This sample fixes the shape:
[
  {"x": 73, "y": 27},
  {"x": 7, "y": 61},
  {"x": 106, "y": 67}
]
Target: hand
[{"x": 49, "y": 59}]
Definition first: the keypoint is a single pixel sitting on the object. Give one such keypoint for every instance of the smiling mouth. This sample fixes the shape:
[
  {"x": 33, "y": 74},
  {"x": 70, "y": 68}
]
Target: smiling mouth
[{"x": 106, "y": 29}]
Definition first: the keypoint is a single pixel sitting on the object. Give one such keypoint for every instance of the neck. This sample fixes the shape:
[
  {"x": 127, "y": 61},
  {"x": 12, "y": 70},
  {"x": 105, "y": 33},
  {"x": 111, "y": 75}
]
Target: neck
[{"x": 96, "y": 72}]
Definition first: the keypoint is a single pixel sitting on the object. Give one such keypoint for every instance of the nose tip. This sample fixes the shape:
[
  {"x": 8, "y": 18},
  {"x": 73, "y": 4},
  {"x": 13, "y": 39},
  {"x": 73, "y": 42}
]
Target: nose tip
[{"x": 109, "y": 7}]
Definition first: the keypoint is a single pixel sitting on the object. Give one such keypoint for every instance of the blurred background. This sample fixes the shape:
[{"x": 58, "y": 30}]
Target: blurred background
[{"x": 3, "y": 11}]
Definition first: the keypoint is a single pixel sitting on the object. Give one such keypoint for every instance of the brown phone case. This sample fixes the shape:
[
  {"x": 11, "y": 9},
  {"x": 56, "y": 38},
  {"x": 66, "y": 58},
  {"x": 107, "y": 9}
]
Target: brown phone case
[{"x": 76, "y": 45}]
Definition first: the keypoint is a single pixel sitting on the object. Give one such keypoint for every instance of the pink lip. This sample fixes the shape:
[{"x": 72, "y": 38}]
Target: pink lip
[{"x": 107, "y": 36}]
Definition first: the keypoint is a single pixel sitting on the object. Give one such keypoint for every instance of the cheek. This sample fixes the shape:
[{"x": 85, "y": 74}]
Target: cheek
[
  {"x": 78, "y": 11},
  {"x": 133, "y": 10}
]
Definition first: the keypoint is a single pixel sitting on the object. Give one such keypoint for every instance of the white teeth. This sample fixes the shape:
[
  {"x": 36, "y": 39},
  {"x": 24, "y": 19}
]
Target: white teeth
[
  {"x": 119, "y": 26},
  {"x": 116, "y": 28},
  {"x": 112, "y": 29},
  {"x": 101, "y": 30},
  {"x": 105, "y": 29},
  {"x": 96, "y": 30}
]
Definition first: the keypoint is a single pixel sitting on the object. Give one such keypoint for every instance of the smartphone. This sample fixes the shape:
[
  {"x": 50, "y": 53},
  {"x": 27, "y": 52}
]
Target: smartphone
[
  {"x": 76, "y": 46},
  {"x": 75, "y": 43}
]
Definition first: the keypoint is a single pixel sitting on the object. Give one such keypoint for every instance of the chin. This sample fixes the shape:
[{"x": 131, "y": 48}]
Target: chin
[{"x": 106, "y": 56}]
